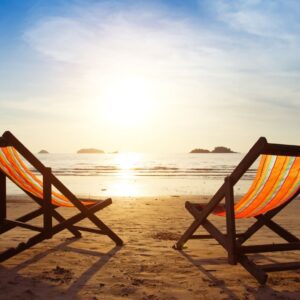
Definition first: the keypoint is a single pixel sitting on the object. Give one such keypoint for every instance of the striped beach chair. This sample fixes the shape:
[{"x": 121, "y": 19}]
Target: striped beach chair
[
  {"x": 276, "y": 184},
  {"x": 12, "y": 166}
]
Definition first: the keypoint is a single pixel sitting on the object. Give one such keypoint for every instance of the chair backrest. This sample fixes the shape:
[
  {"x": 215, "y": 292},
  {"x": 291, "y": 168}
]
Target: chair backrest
[
  {"x": 277, "y": 180},
  {"x": 14, "y": 167}
]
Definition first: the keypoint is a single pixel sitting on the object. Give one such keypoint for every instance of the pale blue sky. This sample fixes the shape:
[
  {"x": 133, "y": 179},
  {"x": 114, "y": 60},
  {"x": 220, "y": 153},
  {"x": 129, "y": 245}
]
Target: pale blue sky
[{"x": 149, "y": 75}]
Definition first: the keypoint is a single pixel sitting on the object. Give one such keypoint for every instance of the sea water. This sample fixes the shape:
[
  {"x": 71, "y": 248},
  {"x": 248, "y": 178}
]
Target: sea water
[{"x": 141, "y": 174}]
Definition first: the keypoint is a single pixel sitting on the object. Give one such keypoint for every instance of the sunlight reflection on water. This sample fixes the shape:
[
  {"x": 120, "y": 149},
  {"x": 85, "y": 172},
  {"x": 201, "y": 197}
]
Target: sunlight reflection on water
[{"x": 138, "y": 174}]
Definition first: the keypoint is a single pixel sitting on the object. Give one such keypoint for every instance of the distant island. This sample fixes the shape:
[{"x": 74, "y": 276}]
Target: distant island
[
  {"x": 43, "y": 152},
  {"x": 219, "y": 149},
  {"x": 199, "y": 150},
  {"x": 89, "y": 150}
]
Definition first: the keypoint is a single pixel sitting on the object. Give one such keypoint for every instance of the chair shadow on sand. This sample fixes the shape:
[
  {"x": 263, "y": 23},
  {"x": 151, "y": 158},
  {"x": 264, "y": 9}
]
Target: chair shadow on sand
[
  {"x": 225, "y": 289},
  {"x": 75, "y": 284}
]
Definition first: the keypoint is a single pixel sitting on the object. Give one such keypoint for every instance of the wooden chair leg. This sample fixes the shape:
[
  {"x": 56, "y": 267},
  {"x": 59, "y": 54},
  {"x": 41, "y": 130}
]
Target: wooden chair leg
[
  {"x": 56, "y": 215},
  {"x": 64, "y": 224},
  {"x": 89, "y": 213},
  {"x": 2, "y": 198},
  {"x": 187, "y": 235},
  {"x": 208, "y": 226},
  {"x": 105, "y": 229},
  {"x": 60, "y": 219},
  {"x": 47, "y": 205},
  {"x": 253, "y": 269},
  {"x": 230, "y": 222}
]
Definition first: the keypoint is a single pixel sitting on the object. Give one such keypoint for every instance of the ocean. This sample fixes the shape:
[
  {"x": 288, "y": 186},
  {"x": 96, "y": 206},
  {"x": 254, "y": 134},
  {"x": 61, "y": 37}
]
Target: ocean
[{"x": 141, "y": 174}]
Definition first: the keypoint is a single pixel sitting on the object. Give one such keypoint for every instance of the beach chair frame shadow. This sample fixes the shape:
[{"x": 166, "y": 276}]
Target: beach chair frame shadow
[
  {"x": 232, "y": 241},
  {"x": 47, "y": 210}
]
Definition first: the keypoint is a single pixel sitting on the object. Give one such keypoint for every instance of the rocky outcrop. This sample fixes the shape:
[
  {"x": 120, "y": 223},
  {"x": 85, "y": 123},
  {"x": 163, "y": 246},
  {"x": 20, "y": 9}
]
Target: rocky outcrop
[
  {"x": 219, "y": 149},
  {"x": 222, "y": 149},
  {"x": 43, "y": 152},
  {"x": 199, "y": 150},
  {"x": 89, "y": 150}
]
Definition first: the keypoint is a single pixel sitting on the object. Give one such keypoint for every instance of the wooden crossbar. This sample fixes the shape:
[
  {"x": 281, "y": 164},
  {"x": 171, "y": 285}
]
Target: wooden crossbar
[
  {"x": 209, "y": 236},
  {"x": 283, "y": 233},
  {"x": 281, "y": 266},
  {"x": 279, "y": 149},
  {"x": 24, "y": 225},
  {"x": 270, "y": 247},
  {"x": 87, "y": 229}
]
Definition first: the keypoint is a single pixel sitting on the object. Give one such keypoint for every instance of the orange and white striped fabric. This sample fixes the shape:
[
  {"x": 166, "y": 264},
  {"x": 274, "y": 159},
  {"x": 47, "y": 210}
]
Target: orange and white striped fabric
[
  {"x": 277, "y": 180},
  {"x": 13, "y": 166}
]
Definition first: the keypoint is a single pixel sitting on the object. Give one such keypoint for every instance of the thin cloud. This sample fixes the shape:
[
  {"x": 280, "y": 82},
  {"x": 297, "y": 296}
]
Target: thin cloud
[
  {"x": 154, "y": 38},
  {"x": 225, "y": 61},
  {"x": 152, "y": 41},
  {"x": 107, "y": 36},
  {"x": 268, "y": 19}
]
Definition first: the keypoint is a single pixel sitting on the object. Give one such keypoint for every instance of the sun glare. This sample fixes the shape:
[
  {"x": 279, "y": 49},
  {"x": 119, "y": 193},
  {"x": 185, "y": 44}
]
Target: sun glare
[
  {"x": 125, "y": 184},
  {"x": 127, "y": 102},
  {"x": 127, "y": 161}
]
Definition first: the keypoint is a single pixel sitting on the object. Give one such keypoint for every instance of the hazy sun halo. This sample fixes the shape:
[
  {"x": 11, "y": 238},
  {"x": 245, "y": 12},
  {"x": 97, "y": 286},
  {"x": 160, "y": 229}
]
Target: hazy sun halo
[{"x": 127, "y": 102}]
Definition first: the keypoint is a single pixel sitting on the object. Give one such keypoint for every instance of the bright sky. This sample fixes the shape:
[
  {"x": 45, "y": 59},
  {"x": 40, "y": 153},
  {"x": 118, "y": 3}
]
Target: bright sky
[{"x": 151, "y": 76}]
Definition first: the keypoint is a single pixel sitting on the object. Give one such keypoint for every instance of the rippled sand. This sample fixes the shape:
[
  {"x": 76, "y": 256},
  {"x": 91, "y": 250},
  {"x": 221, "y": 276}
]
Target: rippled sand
[{"x": 146, "y": 267}]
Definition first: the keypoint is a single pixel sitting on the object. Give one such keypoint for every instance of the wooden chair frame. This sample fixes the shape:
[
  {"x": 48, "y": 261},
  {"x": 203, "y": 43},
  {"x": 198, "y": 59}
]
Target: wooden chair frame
[
  {"x": 47, "y": 210},
  {"x": 233, "y": 241}
]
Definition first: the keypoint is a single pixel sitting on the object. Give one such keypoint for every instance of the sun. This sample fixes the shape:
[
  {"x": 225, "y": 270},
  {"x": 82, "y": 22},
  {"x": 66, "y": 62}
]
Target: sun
[{"x": 127, "y": 102}]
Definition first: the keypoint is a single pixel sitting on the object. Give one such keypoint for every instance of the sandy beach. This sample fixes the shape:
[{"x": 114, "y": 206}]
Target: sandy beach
[{"x": 146, "y": 267}]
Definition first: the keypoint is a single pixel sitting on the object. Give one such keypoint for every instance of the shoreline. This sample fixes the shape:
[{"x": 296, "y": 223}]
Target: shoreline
[
  {"x": 146, "y": 267},
  {"x": 18, "y": 198},
  {"x": 26, "y": 199}
]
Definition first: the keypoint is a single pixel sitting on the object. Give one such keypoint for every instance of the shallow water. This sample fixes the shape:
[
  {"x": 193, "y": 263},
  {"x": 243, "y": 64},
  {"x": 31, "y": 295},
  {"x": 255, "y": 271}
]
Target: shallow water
[{"x": 139, "y": 174}]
